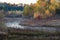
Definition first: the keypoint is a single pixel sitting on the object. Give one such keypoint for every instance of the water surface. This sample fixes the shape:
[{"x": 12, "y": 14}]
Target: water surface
[{"x": 14, "y": 23}]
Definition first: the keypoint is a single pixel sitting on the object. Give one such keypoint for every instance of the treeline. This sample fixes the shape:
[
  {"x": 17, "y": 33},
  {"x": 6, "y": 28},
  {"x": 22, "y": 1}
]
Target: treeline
[
  {"x": 42, "y": 8},
  {"x": 9, "y": 7}
]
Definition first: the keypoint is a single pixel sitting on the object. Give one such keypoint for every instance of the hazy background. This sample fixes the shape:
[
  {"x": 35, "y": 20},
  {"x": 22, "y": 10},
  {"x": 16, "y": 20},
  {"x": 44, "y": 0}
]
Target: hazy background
[{"x": 19, "y": 1}]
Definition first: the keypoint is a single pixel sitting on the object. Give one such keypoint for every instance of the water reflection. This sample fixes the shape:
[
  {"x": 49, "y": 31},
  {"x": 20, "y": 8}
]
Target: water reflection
[{"x": 15, "y": 24}]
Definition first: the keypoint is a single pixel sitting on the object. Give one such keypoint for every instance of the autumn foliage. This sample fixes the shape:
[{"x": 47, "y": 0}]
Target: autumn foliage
[{"x": 44, "y": 8}]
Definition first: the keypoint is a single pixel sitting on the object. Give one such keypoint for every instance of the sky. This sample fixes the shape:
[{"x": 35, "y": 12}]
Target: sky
[{"x": 19, "y": 1}]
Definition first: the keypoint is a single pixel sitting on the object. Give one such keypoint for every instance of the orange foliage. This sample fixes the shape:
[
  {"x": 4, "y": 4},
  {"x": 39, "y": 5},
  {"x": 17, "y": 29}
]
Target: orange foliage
[
  {"x": 36, "y": 15},
  {"x": 43, "y": 4},
  {"x": 47, "y": 12},
  {"x": 52, "y": 1}
]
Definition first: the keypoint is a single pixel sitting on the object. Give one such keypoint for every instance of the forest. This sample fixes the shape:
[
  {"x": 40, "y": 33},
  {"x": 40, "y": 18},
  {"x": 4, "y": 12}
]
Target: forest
[{"x": 42, "y": 9}]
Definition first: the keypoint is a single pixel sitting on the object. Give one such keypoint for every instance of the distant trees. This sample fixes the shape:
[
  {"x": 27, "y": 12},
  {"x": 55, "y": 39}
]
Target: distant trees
[
  {"x": 28, "y": 11},
  {"x": 44, "y": 8},
  {"x": 2, "y": 7}
]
